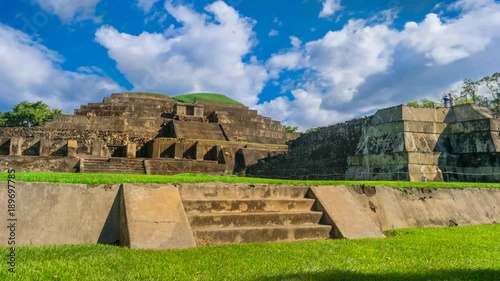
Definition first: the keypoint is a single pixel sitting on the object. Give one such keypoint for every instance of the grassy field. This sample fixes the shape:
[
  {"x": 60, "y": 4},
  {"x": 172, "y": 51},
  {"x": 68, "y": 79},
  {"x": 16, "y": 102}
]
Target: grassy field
[
  {"x": 93, "y": 179},
  {"x": 461, "y": 253},
  {"x": 191, "y": 98}
]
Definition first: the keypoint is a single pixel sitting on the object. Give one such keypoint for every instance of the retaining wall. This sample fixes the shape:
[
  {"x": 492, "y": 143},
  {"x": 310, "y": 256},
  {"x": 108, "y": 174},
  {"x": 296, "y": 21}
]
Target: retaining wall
[{"x": 56, "y": 214}]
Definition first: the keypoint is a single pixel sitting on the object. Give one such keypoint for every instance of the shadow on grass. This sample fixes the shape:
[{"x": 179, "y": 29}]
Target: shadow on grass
[{"x": 483, "y": 274}]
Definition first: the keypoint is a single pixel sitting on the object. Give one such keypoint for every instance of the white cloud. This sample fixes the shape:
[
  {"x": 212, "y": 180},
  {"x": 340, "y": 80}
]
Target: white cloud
[
  {"x": 341, "y": 60},
  {"x": 277, "y": 21},
  {"x": 146, "y": 5},
  {"x": 445, "y": 41},
  {"x": 69, "y": 10},
  {"x": 295, "y": 41},
  {"x": 207, "y": 53},
  {"x": 368, "y": 65},
  {"x": 273, "y": 33},
  {"x": 30, "y": 71},
  {"x": 304, "y": 111},
  {"x": 330, "y": 7}
]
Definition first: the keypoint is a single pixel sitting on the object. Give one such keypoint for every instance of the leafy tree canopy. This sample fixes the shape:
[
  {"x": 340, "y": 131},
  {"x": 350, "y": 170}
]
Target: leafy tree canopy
[
  {"x": 424, "y": 103},
  {"x": 28, "y": 114},
  {"x": 484, "y": 92},
  {"x": 290, "y": 129}
]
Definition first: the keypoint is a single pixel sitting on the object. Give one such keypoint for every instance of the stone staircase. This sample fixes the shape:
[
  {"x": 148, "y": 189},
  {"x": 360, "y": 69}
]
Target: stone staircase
[
  {"x": 113, "y": 166},
  {"x": 228, "y": 214}
]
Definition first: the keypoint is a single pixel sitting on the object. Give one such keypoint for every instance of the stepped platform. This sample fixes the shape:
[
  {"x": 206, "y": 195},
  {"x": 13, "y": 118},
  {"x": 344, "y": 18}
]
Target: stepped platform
[
  {"x": 224, "y": 214},
  {"x": 199, "y": 137},
  {"x": 112, "y": 166}
]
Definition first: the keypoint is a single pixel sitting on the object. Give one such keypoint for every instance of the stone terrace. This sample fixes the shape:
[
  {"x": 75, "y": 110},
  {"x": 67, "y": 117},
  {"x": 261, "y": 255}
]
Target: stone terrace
[{"x": 207, "y": 137}]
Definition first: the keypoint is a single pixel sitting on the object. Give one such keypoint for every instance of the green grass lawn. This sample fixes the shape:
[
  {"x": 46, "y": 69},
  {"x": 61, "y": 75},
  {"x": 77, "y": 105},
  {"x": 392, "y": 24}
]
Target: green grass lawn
[
  {"x": 218, "y": 98},
  {"x": 461, "y": 253},
  {"x": 93, "y": 179}
]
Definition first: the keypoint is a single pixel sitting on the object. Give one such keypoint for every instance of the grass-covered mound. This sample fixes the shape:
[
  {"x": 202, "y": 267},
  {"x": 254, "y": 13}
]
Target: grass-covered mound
[
  {"x": 93, "y": 179},
  {"x": 459, "y": 253},
  {"x": 218, "y": 98}
]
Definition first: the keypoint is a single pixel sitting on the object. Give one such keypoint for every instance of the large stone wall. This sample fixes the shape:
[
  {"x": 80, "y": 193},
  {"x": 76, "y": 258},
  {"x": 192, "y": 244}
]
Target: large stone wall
[
  {"x": 422, "y": 207},
  {"x": 321, "y": 154},
  {"x": 397, "y": 143},
  {"x": 57, "y": 214},
  {"x": 423, "y": 144}
]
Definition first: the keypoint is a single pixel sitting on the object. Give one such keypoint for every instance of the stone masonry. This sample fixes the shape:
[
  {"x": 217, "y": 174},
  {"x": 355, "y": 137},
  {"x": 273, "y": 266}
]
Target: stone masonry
[
  {"x": 397, "y": 143},
  {"x": 145, "y": 133}
]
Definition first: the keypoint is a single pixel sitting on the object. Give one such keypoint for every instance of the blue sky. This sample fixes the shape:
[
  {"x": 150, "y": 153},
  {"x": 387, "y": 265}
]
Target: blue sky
[{"x": 307, "y": 63}]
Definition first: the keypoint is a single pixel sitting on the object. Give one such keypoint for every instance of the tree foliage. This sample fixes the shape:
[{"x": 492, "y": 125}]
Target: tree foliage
[
  {"x": 471, "y": 92},
  {"x": 424, "y": 103},
  {"x": 28, "y": 114},
  {"x": 290, "y": 129},
  {"x": 492, "y": 83}
]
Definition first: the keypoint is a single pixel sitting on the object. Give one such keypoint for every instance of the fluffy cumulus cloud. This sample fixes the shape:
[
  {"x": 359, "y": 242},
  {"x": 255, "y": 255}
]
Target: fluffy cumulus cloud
[
  {"x": 445, "y": 41},
  {"x": 30, "y": 71},
  {"x": 330, "y": 7},
  {"x": 304, "y": 111},
  {"x": 69, "y": 10},
  {"x": 146, "y": 5},
  {"x": 366, "y": 65},
  {"x": 208, "y": 52}
]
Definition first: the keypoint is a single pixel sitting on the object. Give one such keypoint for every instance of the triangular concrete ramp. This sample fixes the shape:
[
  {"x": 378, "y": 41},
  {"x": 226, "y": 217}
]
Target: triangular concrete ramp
[
  {"x": 152, "y": 217},
  {"x": 468, "y": 112},
  {"x": 344, "y": 213}
]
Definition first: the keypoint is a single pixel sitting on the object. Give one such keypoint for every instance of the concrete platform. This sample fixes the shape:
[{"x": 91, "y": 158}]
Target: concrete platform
[
  {"x": 152, "y": 217},
  {"x": 246, "y": 205},
  {"x": 219, "y": 220},
  {"x": 234, "y": 235},
  {"x": 344, "y": 212}
]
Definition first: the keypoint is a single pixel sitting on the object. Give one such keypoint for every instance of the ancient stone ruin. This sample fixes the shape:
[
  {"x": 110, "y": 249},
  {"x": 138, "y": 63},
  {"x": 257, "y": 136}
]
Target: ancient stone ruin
[
  {"x": 398, "y": 143},
  {"x": 166, "y": 216},
  {"x": 154, "y": 134},
  {"x": 145, "y": 134}
]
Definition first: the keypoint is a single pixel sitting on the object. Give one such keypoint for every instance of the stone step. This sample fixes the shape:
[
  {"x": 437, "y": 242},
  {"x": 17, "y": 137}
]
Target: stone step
[
  {"x": 242, "y": 191},
  {"x": 113, "y": 172},
  {"x": 218, "y": 220},
  {"x": 246, "y": 205},
  {"x": 111, "y": 169},
  {"x": 205, "y": 237},
  {"x": 111, "y": 165}
]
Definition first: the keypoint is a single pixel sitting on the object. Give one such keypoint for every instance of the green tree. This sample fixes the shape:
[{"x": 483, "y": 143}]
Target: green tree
[
  {"x": 290, "y": 129},
  {"x": 424, "y": 103},
  {"x": 2, "y": 119},
  {"x": 493, "y": 84},
  {"x": 413, "y": 104},
  {"x": 469, "y": 89},
  {"x": 28, "y": 114},
  {"x": 428, "y": 103}
]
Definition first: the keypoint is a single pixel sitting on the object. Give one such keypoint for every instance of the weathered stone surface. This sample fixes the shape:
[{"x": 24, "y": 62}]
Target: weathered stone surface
[
  {"x": 397, "y": 143},
  {"x": 241, "y": 213},
  {"x": 390, "y": 208},
  {"x": 343, "y": 211},
  {"x": 432, "y": 138},
  {"x": 112, "y": 129},
  {"x": 321, "y": 154},
  {"x": 153, "y": 217},
  {"x": 57, "y": 214},
  {"x": 39, "y": 164}
]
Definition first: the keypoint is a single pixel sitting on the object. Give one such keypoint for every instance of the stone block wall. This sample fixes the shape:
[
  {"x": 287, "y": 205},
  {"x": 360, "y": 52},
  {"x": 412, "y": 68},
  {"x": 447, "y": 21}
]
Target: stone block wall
[
  {"x": 397, "y": 143},
  {"x": 426, "y": 142},
  {"x": 321, "y": 154}
]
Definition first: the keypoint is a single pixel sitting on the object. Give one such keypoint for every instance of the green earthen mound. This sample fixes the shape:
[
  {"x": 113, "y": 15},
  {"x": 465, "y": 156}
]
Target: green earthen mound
[{"x": 210, "y": 97}]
